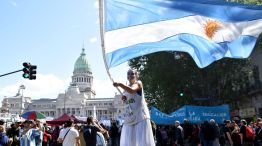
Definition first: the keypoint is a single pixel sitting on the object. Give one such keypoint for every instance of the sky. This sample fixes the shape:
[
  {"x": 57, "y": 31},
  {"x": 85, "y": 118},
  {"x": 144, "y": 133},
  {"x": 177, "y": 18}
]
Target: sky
[{"x": 51, "y": 34}]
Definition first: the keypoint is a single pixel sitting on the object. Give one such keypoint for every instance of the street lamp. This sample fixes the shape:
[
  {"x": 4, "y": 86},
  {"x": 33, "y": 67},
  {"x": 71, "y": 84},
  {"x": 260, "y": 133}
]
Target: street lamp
[
  {"x": 64, "y": 103},
  {"x": 22, "y": 88}
]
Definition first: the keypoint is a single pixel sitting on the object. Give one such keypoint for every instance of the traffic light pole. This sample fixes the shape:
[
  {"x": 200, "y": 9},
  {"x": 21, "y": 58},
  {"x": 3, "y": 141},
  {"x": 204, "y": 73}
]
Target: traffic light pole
[{"x": 11, "y": 73}]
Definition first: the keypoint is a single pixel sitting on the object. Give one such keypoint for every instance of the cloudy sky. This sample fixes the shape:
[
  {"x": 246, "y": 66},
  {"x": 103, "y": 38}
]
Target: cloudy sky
[{"x": 51, "y": 34}]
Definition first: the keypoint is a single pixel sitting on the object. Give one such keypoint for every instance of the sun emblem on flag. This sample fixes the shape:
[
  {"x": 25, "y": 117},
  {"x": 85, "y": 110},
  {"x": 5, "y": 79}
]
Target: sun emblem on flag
[{"x": 211, "y": 27}]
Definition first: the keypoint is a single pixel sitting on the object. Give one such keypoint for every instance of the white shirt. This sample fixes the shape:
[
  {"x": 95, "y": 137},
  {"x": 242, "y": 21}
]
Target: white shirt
[
  {"x": 136, "y": 109},
  {"x": 70, "y": 139}
]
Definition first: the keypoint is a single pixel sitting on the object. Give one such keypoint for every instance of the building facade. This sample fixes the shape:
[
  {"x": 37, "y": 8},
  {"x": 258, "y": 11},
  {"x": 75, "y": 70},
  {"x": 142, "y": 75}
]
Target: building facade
[{"x": 78, "y": 100}]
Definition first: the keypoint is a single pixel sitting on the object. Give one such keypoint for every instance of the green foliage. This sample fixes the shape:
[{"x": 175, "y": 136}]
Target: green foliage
[{"x": 166, "y": 74}]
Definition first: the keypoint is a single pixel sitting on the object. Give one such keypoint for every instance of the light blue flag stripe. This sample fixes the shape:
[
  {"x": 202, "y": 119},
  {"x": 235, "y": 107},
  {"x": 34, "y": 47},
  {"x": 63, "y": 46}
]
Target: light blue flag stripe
[
  {"x": 120, "y": 15},
  {"x": 189, "y": 43},
  {"x": 125, "y": 13}
]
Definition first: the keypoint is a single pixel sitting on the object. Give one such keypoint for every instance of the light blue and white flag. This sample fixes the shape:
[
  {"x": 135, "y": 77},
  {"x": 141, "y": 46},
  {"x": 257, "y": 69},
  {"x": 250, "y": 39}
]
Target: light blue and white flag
[{"x": 206, "y": 29}]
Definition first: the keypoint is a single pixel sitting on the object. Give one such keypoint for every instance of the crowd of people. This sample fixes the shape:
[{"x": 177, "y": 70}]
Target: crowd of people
[
  {"x": 209, "y": 133},
  {"x": 137, "y": 129},
  {"x": 35, "y": 133},
  {"x": 93, "y": 133}
]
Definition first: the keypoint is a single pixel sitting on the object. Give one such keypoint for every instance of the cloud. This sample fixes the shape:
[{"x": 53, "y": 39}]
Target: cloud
[
  {"x": 45, "y": 86},
  {"x": 104, "y": 89},
  {"x": 96, "y": 4},
  {"x": 93, "y": 40},
  {"x": 49, "y": 86},
  {"x": 13, "y": 3}
]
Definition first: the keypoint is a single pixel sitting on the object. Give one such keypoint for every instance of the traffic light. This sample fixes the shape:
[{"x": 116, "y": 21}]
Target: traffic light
[
  {"x": 181, "y": 94},
  {"x": 26, "y": 70},
  {"x": 29, "y": 71},
  {"x": 32, "y": 72}
]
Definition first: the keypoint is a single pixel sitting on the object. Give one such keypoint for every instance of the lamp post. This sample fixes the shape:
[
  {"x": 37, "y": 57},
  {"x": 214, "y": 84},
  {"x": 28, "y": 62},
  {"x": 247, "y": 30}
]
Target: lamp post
[
  {"x": 64, "y": 103},
  {"x": 22, "y": 88}
]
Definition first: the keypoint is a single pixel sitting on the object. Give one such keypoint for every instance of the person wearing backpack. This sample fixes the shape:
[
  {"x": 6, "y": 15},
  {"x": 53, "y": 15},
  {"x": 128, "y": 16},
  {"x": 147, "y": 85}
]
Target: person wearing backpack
[
  {"x": 90, "y": 132},
  {"x": 246, "y": 134}
]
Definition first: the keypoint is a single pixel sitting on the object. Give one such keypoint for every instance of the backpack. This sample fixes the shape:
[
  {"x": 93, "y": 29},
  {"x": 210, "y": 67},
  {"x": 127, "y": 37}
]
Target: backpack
[
  {"x": 249, "y": 133},
  {"x": 87, "y": 131}
]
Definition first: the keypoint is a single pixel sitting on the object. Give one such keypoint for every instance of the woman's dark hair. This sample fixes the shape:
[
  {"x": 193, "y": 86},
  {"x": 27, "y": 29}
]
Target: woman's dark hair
[
  {"x": 69, "y": 123},
  {"x": 89, "y": 120}
]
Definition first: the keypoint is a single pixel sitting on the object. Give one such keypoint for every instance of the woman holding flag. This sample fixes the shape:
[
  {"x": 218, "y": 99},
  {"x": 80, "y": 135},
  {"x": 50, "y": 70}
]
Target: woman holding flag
[{"x": 136, "y": 130}]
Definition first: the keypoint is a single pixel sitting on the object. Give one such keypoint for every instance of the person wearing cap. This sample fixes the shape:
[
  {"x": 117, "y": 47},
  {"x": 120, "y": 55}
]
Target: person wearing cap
[{"x": 179, "y": 134}]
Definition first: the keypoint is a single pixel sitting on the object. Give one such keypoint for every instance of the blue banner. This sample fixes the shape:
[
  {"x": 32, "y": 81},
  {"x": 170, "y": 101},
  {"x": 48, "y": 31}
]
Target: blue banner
[{"x": 195, "y": 114}]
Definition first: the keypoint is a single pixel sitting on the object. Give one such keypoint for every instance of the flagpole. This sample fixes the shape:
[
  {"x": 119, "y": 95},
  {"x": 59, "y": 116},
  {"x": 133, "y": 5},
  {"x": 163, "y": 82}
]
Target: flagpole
[{"x": 102, "y": 30}]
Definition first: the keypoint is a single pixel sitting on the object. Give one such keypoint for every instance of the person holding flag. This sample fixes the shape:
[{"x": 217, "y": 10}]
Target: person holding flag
[{"x": 136, "y": 130}]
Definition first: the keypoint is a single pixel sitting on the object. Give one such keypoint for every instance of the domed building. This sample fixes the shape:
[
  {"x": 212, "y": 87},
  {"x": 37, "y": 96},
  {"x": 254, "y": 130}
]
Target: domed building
[{"x": 78, "y": 100}]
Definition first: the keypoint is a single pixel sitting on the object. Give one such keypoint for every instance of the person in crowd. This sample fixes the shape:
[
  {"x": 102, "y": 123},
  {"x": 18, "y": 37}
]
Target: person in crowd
[
  {"x": 29, "y": 136},
  {"x": 258, "y": 138},
  {"x": 81, "y": 135},
  {"x": 4, "y": 140},
  {"x": 222, "y": 136},
  {"x": 2, "y": 122},
  {"x": 14, "y": 133},
  {"x": 195, "y": 140},
  {"x": 54, "y": 136},
  {"x": 46, "y": 136},
  {"x": 235, "y": 135},
  {"x": 164, "y": 136},
  {"x": 105, "y": 132},
  {"x": 35, "y": 127},
  {"x": 227, "y": 131},
  {"x": 179, "y": 134},
  {"x": 90, "y": 132},
  {"x": 114, "y": 135},
  {"x": 100, "y": 139},
  {"x": 209, "y": 131},
  {"x": 215, "y": 130},
  {"x": 187, "y": 127},
  {"x": 136, "y": 130},
  {"x": 244, "y": 140},
  {"x": 69, "y": 136},
  {"x": 158, "y": 136}
]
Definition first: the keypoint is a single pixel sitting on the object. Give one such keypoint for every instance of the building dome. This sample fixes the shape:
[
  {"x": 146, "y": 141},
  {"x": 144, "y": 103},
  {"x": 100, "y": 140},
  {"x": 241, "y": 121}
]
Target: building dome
[{"x": 81, "y": 64}]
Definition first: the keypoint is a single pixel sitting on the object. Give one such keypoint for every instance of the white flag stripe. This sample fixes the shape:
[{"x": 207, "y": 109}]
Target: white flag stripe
[{"x": 158, "y": 31}]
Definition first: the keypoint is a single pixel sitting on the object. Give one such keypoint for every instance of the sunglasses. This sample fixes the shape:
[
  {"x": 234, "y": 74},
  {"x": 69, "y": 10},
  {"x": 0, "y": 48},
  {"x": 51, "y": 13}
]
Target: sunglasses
[{"x": 130, "y": 73}]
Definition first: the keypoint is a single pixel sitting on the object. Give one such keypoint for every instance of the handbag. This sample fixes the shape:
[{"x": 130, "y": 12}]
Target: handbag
[{"x": 61, "y": 144}]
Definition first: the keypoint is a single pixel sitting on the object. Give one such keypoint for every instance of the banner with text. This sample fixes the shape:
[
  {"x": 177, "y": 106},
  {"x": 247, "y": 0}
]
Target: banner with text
[{"x": 195, "y": 114}]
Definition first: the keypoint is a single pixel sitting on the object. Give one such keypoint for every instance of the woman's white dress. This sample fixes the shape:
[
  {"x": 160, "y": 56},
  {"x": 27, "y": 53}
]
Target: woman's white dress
[{"x": 136, "y": 130}]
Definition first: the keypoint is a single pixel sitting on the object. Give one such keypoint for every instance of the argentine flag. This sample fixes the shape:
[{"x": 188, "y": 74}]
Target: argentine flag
[{"x": 208, "y": 30}]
